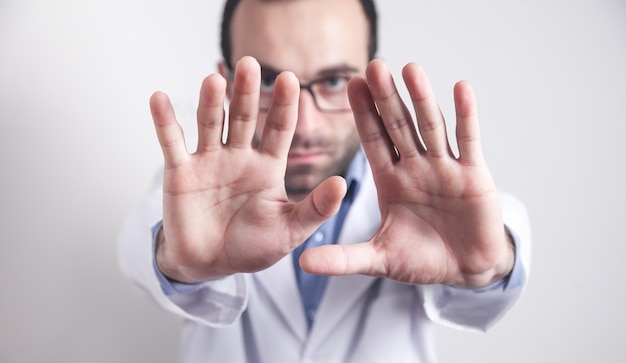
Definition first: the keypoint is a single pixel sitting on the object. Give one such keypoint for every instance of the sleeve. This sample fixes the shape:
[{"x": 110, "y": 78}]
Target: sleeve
[
  {"x": 480, "y": 309},
  {"x": 215, "y": 303}
]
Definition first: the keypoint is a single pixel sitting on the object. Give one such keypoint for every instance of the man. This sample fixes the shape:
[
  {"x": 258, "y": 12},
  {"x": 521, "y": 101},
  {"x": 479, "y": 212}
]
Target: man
[{"x": 253, "y": 224}]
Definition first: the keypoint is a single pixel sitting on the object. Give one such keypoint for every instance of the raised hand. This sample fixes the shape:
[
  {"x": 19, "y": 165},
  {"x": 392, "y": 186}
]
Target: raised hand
[
  {"x": 225, "y": 208},
  {"x": 441, "y": 217}
]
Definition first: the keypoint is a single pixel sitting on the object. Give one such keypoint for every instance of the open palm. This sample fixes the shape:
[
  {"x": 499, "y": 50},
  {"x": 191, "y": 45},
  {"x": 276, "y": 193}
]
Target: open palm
[
  {"x": 441, "y": 219},
  {"x": 225, "y": 206}
]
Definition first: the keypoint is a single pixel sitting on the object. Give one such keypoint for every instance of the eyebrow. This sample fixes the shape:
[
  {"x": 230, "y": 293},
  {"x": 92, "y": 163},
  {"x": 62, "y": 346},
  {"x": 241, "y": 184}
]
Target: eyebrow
[{"x": 269, "y": 71}]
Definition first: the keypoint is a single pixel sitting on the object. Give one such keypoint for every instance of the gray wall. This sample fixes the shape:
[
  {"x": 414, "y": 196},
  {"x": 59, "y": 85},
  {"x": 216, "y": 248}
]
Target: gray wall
[{"x": 78, "y": 150}]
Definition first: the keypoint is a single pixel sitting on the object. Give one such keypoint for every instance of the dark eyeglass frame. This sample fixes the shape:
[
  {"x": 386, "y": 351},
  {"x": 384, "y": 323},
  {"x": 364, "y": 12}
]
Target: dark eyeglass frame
[{"x": 309, "y": 87}]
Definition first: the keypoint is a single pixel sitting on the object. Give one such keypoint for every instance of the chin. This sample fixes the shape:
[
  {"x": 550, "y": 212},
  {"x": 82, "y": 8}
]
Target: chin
[
  {"x": 296, "y": 197},
  {"x": 301, "y": 184}
]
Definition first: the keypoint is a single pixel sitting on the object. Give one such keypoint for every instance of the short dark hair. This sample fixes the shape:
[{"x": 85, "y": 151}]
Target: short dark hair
[{"x": 229, "y": 9}]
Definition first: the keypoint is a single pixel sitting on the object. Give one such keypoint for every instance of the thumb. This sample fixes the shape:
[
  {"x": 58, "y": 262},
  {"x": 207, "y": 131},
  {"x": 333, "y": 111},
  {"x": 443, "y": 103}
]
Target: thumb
[
  {"x": 359, "y": 258},
  {"x": 322, "y": 203}
]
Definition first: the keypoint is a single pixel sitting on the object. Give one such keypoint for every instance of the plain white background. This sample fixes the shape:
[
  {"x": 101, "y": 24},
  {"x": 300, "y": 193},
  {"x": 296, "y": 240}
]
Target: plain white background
[{"x": 77, "y": 151}]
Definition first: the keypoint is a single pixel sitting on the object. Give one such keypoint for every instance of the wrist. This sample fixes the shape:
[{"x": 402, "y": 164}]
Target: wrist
[
  {"x": 499, "y": 272},
  {"x": 505, "y": 268},
  {"x": 175, "y": 271},
  {"x": 168, "y": 270}
]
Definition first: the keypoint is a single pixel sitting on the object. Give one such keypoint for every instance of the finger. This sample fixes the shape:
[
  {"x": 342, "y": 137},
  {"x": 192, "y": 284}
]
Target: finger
[
  {"x": 374, "y": 138},
  {"x": 210, "y": 113},
  {"x": 430, "y": 121},
  {"x": 244, "y": 105},
  {"x": 280, "y": 123},
  {"x": 335, "y": 260},
  {"x": 467, "y": 128},
  {"x": 168, "y": 131},
  {"x": 396, "y": 117},
  {"x": 322, "y": 203}
]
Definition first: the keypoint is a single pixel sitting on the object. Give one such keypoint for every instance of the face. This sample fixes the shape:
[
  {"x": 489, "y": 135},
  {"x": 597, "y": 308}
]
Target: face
[{"x": 315, "y": 39}]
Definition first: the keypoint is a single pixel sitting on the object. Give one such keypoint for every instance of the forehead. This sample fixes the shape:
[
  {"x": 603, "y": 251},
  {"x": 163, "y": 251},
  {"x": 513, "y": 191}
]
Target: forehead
[{"x": 303, "y": 36}]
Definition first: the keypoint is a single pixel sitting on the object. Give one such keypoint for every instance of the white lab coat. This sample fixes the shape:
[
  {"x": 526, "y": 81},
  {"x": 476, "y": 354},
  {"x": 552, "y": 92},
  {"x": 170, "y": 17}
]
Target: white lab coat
[{"x": 259, "y": 317}]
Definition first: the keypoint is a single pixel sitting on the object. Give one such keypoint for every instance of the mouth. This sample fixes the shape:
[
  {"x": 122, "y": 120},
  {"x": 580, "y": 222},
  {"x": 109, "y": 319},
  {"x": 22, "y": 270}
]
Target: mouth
[{"x": 304, "y": 157}]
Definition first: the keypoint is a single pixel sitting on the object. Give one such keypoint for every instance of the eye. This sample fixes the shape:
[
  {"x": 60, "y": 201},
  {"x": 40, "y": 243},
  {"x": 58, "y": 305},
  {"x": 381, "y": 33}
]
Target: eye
[
  {"x": 267, "y": 83},
  {"x": 334, "y": 83}
]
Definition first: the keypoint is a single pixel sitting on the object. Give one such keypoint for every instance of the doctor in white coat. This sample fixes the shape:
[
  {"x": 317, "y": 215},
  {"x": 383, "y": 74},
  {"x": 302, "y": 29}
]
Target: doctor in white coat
[{"x": 322, "y": 173}]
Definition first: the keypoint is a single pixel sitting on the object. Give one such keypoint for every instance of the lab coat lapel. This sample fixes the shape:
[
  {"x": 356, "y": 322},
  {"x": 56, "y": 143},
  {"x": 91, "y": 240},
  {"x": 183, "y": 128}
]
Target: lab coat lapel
[
  {"x": 279, "y": 281},
  {"x": 342, "y": 293}
]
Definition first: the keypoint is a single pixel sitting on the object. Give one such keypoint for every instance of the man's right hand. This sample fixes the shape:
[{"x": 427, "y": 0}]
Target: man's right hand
[{"x": 225, "y": 208}]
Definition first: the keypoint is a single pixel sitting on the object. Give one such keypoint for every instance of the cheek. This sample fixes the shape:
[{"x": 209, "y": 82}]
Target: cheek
[
  {"x": 346, "y": 133},
  {"x": 347, "y": 139},
  {"x": 258, "y": 131}
]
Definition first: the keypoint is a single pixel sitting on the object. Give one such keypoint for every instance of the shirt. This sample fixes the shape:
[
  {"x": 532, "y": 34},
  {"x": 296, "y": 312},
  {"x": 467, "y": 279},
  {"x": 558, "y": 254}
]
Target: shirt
[{"x": 312, "y": 286}]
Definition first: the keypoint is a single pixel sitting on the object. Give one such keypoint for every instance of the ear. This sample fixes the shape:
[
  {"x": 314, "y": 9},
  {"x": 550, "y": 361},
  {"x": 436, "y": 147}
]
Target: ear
[{"x": 227, "y": 74}]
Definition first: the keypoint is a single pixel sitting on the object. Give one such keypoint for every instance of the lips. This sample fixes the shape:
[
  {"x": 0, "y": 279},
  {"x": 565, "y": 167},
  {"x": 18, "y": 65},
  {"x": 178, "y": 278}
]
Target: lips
[{"x": 304, "y": 156}]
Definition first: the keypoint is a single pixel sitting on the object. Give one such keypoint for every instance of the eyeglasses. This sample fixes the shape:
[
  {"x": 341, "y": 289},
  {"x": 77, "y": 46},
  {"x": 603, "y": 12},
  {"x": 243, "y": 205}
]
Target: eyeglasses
[{"x": 329, "y": 93}]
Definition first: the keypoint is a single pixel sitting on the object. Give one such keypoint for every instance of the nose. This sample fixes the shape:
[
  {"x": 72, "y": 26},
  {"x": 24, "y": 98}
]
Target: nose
[{"x": 307, "y": 112}]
